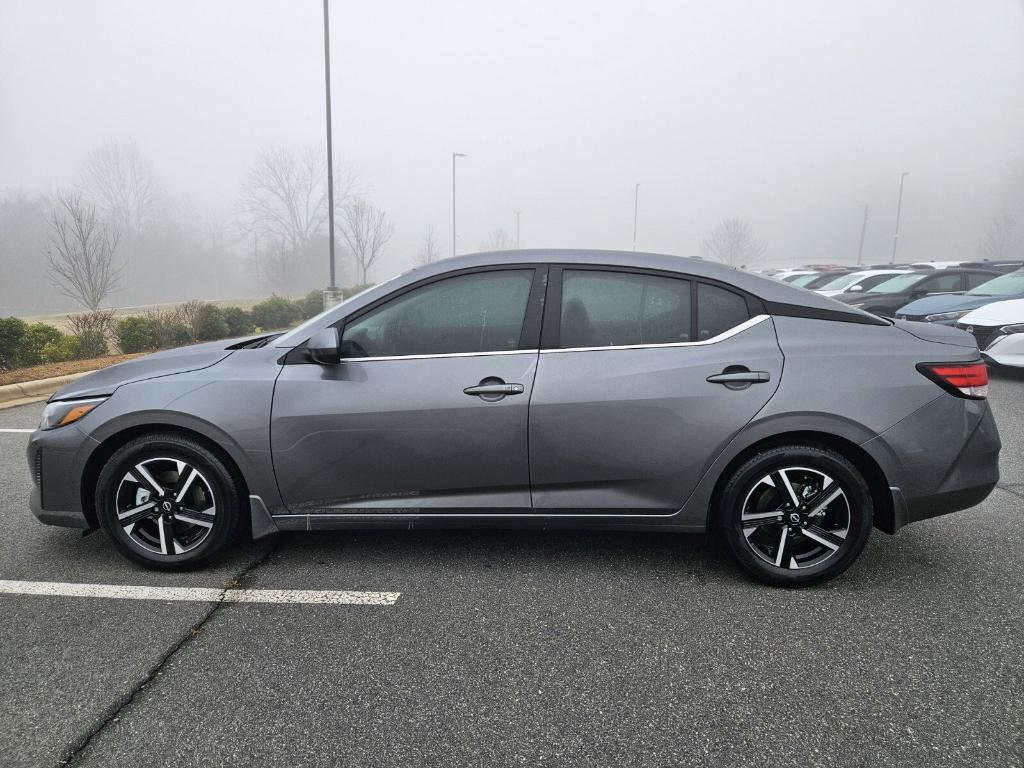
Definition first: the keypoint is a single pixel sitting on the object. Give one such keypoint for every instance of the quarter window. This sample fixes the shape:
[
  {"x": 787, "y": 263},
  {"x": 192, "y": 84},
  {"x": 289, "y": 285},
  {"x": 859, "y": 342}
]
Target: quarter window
[
  {"x": 479, "y": 312},
  {"x": 718, "y": 310},
  {"x": 605, "y": 309}
]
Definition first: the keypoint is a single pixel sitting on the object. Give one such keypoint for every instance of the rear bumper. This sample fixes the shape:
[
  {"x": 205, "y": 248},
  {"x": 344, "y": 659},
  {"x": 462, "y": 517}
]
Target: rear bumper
[{"x": 941, "y": 459}]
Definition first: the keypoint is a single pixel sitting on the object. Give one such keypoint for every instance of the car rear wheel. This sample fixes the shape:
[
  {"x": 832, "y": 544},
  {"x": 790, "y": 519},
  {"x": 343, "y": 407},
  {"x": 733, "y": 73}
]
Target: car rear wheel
[
  {"x": 168, "y": 502},
  {"x": 796, "y": 515}
]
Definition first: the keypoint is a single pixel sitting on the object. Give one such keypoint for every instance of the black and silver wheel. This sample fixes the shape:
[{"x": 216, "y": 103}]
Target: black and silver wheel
[
  {"x": 796, "y": 514},
  {"x": 167, "y": 501}
]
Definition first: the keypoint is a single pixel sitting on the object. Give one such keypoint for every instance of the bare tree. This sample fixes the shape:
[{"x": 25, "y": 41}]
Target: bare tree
[
  {"x": 284, "y": 197},
  {"x": 366, "y": 230},
  {"x": 498, "y": 240},
  {"x": 1002, "y": 239},
  {"x": 122, "y": 182},
  {"x": 733, "y": 242},
  {"x": 81, "y": 252},
  {"x": 429, "y": 250}
]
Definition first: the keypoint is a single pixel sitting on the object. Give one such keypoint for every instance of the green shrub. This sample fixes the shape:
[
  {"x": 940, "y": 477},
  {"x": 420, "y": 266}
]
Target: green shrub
[
  {"x": 168, "y": 329},
  {"x": 37, "y": 336},
  {"x": 312, "y": 304},
  {"x": 239, "y": 321},
  {"x": 209, "y": 323},
  {"x": 61, "y": 350},
  {"x": 12, "y": 340},
  {"x": 275, "y": 313},
  {"x": 135, "y": 334},
  {"x": 91, "y": 344}
]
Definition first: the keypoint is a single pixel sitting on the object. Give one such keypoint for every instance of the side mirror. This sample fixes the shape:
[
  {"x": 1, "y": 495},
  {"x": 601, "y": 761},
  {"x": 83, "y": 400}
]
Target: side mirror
[
  {"x": 323, "y": 347},
  {"x": 856, "y": 289}
]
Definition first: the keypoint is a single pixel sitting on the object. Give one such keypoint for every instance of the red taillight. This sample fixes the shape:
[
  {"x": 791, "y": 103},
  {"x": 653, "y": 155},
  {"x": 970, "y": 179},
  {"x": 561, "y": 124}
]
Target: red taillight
[{"x": 961, "y": 379}]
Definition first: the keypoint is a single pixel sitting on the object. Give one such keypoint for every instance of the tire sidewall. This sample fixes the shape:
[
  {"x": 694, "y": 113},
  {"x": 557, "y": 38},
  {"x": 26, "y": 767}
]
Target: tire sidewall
[
  {"x": 223, "y": 487},
  {"x": 750, "y": 472}
]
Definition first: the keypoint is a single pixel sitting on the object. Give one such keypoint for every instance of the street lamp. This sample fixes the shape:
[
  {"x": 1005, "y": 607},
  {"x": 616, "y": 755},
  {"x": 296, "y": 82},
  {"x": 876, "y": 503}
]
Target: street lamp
[
  {"x": 636, "y": 208},
  {"x": 899, "y": 206},
  {"x": 332, "y": 288},
  {"x": 455, "y": 155},
  {"x": 518, "y": 214}
]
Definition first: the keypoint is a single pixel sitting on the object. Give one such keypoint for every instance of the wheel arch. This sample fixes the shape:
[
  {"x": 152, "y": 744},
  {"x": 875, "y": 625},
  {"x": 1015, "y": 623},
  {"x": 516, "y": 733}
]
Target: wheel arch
[
  {"x": 113, "y": 441},
  {"x": 874, "y": 476}
]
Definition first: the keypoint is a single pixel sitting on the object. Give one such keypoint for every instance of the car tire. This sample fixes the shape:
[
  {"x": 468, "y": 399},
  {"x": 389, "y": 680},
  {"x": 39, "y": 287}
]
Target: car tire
[
  {"x": 168, "y": 502},
  {"x": 795, "y": 515}
]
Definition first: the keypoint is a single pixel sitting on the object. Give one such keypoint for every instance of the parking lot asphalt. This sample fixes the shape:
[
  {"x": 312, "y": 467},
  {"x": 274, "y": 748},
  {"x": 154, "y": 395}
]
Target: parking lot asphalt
[{"x": 522, "y": 648}]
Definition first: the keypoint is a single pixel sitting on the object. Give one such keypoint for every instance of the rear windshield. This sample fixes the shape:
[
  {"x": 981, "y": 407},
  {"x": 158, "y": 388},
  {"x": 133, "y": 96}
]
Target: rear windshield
[
  {"x": 1004, "y": 285},
  {"x": 803, "y": 280},
  {"x": 841, "y": 282}
]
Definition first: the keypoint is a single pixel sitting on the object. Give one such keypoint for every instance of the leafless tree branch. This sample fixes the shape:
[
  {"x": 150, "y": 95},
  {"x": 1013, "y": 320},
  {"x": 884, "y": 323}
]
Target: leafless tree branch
[
  {"x": 122, "y": 182},
  {"x": 81, "y": 252},
  {"x": 733, "y": 242},
  {"x": 366, "y": 230}
]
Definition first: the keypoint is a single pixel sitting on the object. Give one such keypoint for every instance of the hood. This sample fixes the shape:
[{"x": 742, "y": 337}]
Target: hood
[
  {"x": 997, "y": 313},
  {"x": 181, "y": 360},
  {"x": 946, "y": 302},
  {"x": 942, "y": 334}
]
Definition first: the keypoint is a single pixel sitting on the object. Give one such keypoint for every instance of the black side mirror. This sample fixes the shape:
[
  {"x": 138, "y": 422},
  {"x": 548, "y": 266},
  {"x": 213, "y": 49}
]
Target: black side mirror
[{"x": 323, "y": 347}]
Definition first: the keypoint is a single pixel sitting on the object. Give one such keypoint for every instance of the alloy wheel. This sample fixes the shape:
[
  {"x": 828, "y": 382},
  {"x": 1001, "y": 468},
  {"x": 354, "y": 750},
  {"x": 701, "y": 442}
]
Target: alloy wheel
[
  {"x": 795, "y": 517},
  {"x": 165, "y": 506}
]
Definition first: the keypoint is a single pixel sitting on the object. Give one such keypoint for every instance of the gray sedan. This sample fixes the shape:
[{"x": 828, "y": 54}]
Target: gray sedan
[{"x": 536, "y": 388}]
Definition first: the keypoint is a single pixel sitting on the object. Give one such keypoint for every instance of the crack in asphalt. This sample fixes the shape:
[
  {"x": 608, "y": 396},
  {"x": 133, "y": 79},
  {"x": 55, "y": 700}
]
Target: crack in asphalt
[
  {"x": 1010, "y": 489},
  {"x": 78, "y": 746}
]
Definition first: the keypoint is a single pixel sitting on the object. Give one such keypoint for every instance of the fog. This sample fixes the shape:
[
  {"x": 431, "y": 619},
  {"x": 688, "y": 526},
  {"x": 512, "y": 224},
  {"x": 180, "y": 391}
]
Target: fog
[{"x": 792, "y": 115}]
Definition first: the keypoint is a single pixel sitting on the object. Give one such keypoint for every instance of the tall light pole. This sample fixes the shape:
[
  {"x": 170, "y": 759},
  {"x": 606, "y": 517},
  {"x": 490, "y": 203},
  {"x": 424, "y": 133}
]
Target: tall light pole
[
  {"x": 518, "y": 214},
  {"x": 899, "y": 207},
  {"x": 863, "y": 231},
  {"x": 636, "y": 208},
  {"x": 330, "y": 151},
  {"x": 455, "y": 155}
]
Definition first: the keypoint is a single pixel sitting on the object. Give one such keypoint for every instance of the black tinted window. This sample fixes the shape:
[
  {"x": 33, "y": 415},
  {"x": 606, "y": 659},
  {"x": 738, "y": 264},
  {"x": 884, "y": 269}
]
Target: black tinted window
[
  {"x": 603, "y": 309},
  {"x": 718, "y": 310},
  {"x": 943, "y": 283},
  {"x": 480, "y": 312},
  {"x": 974, "y": 279}
]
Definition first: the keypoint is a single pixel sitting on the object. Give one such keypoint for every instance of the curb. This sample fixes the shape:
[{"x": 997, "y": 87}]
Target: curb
[{"x": 33, "y": 391}]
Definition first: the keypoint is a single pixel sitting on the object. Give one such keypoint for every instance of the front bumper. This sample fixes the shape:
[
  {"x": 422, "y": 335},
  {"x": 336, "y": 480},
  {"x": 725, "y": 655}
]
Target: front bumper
[
  {"x": 1007, "y": 349},
  {"x": 55, "y": 460},
  {"x": 941, "y": 459}
]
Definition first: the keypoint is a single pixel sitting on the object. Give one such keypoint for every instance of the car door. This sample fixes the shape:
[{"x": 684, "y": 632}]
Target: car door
[
  {"x": 642, "y": 380},
  {"x": 427, "y": 412}
]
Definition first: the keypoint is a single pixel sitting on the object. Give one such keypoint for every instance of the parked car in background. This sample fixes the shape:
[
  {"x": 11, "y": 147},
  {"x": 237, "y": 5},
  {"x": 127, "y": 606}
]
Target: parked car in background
[
  {"x": 811, "y": 282},
  {"x": 1005, "y": 265},
  {"x": 858, "y": 282},
  {"x": 936, "y": 264},
  {"x": 790, "y": 275},
  {"x": 545, "y": 388},
  {"x": 999, "y": 330},
  {"x": 949, "y": 308},
  {"x": 892, "y": 294}
]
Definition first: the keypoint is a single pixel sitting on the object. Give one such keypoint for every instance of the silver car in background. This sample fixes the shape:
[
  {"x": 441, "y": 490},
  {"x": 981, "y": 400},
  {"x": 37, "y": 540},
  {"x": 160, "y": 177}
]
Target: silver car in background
[{"x": 536, "y": 388}]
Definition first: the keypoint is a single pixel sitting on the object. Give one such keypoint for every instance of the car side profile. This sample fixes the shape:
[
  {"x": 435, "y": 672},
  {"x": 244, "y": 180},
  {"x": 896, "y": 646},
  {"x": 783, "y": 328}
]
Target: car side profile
[
  {"x": 545, "y": 389},
  {"x": 885, "y": 298},
  {"x": 856, "y": 283}
]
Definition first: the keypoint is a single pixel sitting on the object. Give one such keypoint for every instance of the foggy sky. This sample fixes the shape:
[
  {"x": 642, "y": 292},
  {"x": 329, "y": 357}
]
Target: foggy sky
[{"x": 793, "y": 114}]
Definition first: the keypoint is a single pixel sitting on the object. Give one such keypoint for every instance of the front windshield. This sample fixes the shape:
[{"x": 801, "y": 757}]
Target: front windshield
[
  {"x": 300, "y": 333},
  {"x": 898, "y": 284},
  {"x": 803, "y": 280},
  {"x": 1004, "y": 285},
  {"x": 842, "y": 283}
]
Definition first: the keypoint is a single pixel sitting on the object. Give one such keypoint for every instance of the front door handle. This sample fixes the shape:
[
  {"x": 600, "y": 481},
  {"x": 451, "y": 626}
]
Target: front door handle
[{"x": 494, "y": 389}]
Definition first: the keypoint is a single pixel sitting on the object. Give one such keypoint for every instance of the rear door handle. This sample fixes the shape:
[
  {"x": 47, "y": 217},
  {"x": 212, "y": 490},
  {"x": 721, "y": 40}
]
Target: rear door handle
[
  {"x": 495, "y": 389},
  {"x": 740, "y": 377}
]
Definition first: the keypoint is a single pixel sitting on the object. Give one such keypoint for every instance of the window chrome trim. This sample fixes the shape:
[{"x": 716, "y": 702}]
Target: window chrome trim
[
  {"x": 444, "y": 354},
  {"x": 736, "y": 329}
]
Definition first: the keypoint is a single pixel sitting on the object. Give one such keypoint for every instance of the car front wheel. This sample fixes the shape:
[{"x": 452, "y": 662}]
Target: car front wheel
[
  {"x": 167, "y": 501},
  {"x": 796, "y": 515}
]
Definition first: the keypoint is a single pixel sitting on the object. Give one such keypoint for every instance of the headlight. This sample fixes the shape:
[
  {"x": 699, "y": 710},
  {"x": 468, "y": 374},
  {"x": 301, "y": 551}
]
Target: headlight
[
  {"x": 64, "y": 412},
  {"x": 1016, "y": 328},
  {"x": 946, "y": 316}
]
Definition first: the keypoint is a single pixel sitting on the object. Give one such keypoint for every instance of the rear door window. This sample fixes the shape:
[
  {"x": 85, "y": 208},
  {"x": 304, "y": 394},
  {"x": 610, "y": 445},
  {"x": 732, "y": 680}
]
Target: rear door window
[
  {"x": 718, "y": 310},
  {"x": 608, "y": 309}
]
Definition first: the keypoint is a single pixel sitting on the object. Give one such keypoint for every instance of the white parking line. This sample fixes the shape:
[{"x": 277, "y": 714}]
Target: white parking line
[
  {"x": 198, "y": 594},
  {"x": 20, "y": 431}
]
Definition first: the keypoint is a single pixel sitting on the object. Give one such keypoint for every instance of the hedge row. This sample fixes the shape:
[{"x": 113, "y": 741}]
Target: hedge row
[{"x": 23, "y": 344}]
